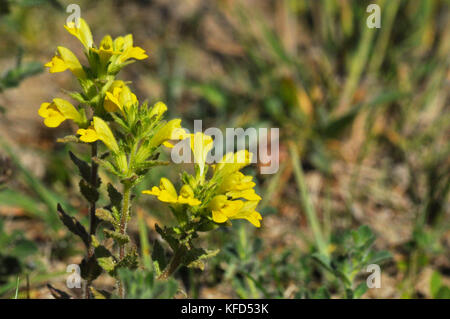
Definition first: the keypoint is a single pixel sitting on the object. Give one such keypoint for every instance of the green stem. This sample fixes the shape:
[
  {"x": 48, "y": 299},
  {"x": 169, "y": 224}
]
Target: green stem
[
  {"x": 306, "y": 201},
  {"x": 123, "y": 227},
  {"x": 92, "y": 218},
  {"x": 174, "y": 264},
  {"x": 357, "y": 64}
]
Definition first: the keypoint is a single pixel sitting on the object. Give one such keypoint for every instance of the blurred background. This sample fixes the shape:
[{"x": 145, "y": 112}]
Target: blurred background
[{"x": 364, "y": 140}]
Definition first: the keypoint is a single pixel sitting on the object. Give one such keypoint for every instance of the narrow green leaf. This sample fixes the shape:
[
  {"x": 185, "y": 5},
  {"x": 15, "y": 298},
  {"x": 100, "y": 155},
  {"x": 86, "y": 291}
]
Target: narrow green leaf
[{"x": 73, "y": 225}]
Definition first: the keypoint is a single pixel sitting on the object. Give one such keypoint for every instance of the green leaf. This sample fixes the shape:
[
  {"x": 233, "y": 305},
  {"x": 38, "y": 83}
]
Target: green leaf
[
  {"x": 324, "y": 261},
  {"x": 88, "y": 191},
  {"x": 336, "y": 126},
  {"x": 322, "y": 293},
  {"x": 73, "y": 225},
  {"x": 167, "y": 234},
  {"x": 58, "y": 294},
  {"x": 159, "y": 258},
  {"x": 77, "y": 97},
  {"x": 145, "y": 166},
  {"x": 99, "y": 294},
  {"x": 14, "y": 76},
  {"x": 360, "y": 290},
  {"x": 23, "y": 248},
  {"x": 435, "y": 283},
  {"x": 195, "y": 256},
  {"x": 363, "y": 237},
  {"x": 90, "y": 269},
  {"x": 83, "y": 167},
  {"x": 121, "y": 239},
  {"x": 68, "y": 139},
  {"x": 105, "y": 215},
  {"x": 379, "y": 257},
  {"x": 105, "y": 259},
  {"x": 130, "y": 261},
  {"x": 142, "y": 284},
  {"x": 114, "y": 196},
  {"x": 443, "y": 293},
  {"x": 107, "y": 166}
]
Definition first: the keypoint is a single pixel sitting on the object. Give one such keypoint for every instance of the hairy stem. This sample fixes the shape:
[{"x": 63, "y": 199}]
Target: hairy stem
[
  {"x": 123, "y": 228},
  {"x": 92, "y": 218},
  {"x": 175, "y": 262}
]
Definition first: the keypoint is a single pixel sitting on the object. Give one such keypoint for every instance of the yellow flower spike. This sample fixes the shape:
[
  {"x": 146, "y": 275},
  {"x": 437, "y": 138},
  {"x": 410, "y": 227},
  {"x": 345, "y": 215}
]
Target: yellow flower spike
[
  {"x": 52, "y": 116},
  {"x": 201, "y": 144},
  {"x": 187, "y": 196},
  {"x": 223, "y": 209},
  {"x": 233, "y": 162},
  {"x": 158, "y": 110},
  {"x": 88, "y": 135},
  {"x": 65, "y": 59},
  {"x": 105, "y": 135},
  {"x": 248, "y": 212},
  {"x": 165, "y": 193},
  {"x": 82, "y": 32}
]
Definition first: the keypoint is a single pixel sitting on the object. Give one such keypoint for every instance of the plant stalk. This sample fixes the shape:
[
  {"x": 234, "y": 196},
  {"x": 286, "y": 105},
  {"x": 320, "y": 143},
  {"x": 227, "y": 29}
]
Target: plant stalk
[
  {"x": 92, "y": 218},
  {"x": 306, "y": 201},
  {"x": 123, "y": 228},
  {"x": 173, "y": 265}
]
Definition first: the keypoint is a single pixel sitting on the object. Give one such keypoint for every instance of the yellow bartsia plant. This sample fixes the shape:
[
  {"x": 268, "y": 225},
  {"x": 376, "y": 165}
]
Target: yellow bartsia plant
[
  {"x": 107, "y": 114},
  {"x": 205, "y": 203}
]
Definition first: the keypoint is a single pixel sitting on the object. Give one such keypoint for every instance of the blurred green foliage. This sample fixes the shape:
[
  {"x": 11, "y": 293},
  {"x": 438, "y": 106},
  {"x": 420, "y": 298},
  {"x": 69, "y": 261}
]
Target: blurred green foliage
[{"x": 346, "y": 96}]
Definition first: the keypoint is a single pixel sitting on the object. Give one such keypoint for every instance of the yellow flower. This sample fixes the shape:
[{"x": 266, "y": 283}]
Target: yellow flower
[
  {"x": 122, "y": 47},
  {"x": 170, "y": 131},
  {"x": 63, "y": 60},
  {"x": 106, "y": 50},
  {"x": 118, "y": 98},
  {"x": 158, "y": 110},
  {"x": 187, "y": 196},
  {"x": 166, "y": 193},
  {"x": 236, "y": 181},
  {"x": 133, "y": 53},
  {"x": 224, "y": 209},
  {"x": 248, "y": 194},
  {"x": 128, "y": 51},
  {"x": 103, "y": 133},
  {"x": 88, "y": 135},
  {"x": 81, "y": 31},
  {"x": 201, "y": 144},
  {"x": 238, "y": 185},
  {"x": 248, "y": 212},
  {"x": 233, "y": 162},
  {"x": 58, "y": 111}
]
